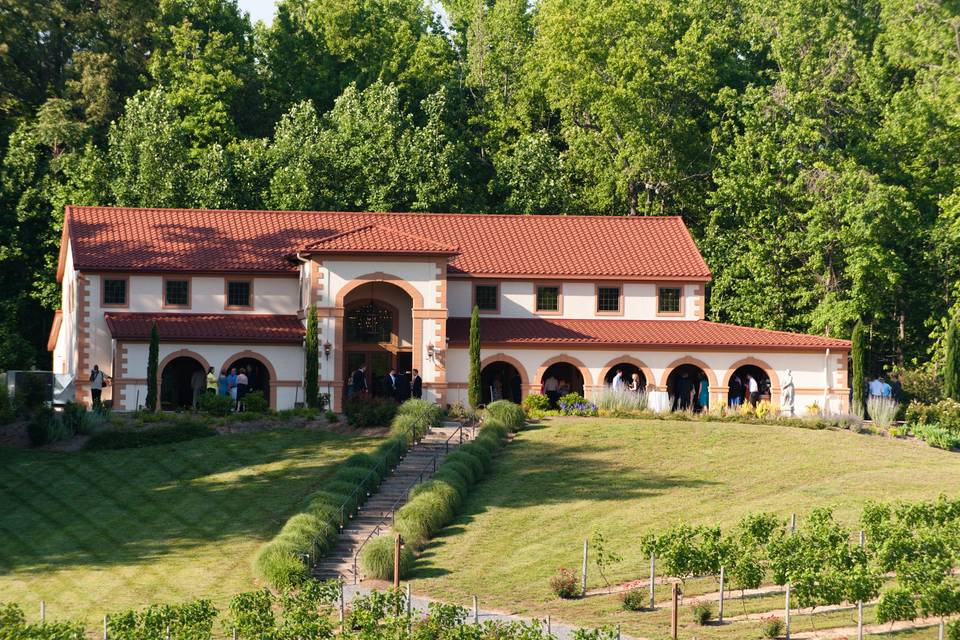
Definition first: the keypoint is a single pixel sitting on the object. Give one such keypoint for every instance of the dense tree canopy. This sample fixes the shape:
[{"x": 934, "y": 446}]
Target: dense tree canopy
[{"x": 812, "y": 146}]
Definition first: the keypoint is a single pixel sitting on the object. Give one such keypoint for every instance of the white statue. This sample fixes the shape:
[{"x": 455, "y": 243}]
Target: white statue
[{"x": 789, "y": 393}]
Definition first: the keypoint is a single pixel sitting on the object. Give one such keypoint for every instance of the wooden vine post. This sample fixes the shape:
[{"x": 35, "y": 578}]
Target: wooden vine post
[
  {"x": 396, "y": 562},
  {"x": 675, "y": 597}
]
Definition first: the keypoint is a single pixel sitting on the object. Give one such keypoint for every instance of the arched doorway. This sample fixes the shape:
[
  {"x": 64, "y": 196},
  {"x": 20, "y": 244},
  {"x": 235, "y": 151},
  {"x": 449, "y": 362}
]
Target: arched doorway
[
  {"x": 627, "y": 369},
  {"x": 738, "y": 385},
  {"x": 561, "y": 378},
  {"x": 684, "y": 385},
  {"x": 501, "y": 381},
  {"x": 177, "y": 381},
  {"x": 258, "y": 374},
  {"x": 377, "y": 337}
]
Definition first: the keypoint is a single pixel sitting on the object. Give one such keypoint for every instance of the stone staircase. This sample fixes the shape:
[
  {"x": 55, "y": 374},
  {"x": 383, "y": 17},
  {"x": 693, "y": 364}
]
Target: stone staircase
[{"x": 375, "y": 515}]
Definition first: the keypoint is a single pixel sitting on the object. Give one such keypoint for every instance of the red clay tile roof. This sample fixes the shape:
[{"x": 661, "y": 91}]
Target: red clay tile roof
[
  {"x": 207, "y": 327},
  {"x": 644, "y": 333},
  {"x": 132, "y": 239},
  {"x": 380, "y": 240}
]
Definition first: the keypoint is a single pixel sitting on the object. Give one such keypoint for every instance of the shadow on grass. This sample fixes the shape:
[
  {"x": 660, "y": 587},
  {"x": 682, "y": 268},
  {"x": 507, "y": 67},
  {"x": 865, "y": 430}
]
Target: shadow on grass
[{"x": 95, "y": 509}]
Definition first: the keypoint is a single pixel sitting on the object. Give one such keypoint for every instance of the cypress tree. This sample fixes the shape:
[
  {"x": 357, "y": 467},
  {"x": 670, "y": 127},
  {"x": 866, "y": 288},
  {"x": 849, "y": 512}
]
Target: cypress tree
[
  {"x": 858, "y": 353},
  {"x": 311, "y": 365},
  {"x": 153, "y": 358},
  {"x": 951, "y": 367},
  {"x": 474, "y": 396}
]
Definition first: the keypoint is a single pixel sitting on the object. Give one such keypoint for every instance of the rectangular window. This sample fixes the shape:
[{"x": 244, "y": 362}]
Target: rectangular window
[
  {"x": 115, "y": 291},
  {"x": 669, "y": 299},
  {"x": 238, "y": 293},
  {"x": 177, "y": 293},
  {"x": 608, "y": 299},
  {"x": 486, "y": 297},
  {"x": 548, "y": 298}
]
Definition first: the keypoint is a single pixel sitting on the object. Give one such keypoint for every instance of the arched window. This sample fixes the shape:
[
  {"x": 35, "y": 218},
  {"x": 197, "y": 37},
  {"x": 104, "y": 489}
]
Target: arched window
[{"x": 369, "y": 323}]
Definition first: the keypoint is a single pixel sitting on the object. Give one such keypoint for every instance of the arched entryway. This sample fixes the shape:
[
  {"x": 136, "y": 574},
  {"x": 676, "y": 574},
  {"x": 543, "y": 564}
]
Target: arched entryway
[
  {"x": 179, "y": 380},
  {"x": 561, "y": 378},
  {"x": 378, "y": 336},
  {"x": 501, "y": 380},
  {"x": 738, "y": 384},
  {"x": 257, "y": 370},
  {"x": 627, "y": 370},
  {"x": 685, "y": 384}
]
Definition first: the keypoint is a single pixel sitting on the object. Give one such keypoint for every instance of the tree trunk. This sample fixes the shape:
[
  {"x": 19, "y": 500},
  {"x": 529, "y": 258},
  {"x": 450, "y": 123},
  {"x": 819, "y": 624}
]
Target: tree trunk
[{"x": 632, "y": 196}]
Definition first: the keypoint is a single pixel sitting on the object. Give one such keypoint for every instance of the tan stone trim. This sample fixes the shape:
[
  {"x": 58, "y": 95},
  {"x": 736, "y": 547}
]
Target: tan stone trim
[
  {"x": 553, "y": 284},
  {"x": 55, "y": 330},
  {"x": 503, "y": 357},
  {"x": 441, "y": 278},
  {"x": 430, "y": 314},
  {"x": 770, "y": 371},
  {"x": 698, "y": 302},
  {"x": 64, "y": 246},
  {"x": 379, "y": 276},
  {"x": 226, "y": 295},
  {"x": 83, "y": 330},
  {"x": 177, "y": 278},
  {"x": 263, "y": 360},
  {"x": 170, "y": 357},
  {"x": 596, "y": 298},
  {"x": 330, "y": 312},
  {"x": 103, "y": 291},
  {"x": 566, "y": 359},
  {"x": 625, "y": 359},
  {"x": 683, "y": 300},
  {"x": 711, "y": 376}
]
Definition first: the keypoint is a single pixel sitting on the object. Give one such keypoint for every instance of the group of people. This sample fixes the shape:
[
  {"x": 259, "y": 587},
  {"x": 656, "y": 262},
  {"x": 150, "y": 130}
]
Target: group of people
[
  {"x": 399, "y": 386},
  {"x": 234, "y": 383},
  {"x": 740, "y": 391},
  {"x": 619, "y": 384},
  {"x": 878, "y": 387},
  {"x": 555, "y": 388},
  {"x": 691, "y": 394}
]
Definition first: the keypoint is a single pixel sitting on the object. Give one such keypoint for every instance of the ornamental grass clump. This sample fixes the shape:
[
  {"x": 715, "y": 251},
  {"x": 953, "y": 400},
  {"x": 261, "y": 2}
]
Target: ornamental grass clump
[
  {"x": 367, "y": 477},
  {"x": 883, "y": 411},
  {"x": 509, "y": 414},
  {"x": 376, "y": 559},
  {"x": 470, "y": 461},
  {"x": 479, "y": 452},
  {"x": 621, "y": 400}
]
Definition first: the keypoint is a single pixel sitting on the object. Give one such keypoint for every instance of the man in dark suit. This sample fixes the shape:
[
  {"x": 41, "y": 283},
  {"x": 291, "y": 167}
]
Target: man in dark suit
[
  {"x": 416, "y": 385},
  {"x": 359, "y": 381},
  {"x": 393, "y": 385}
]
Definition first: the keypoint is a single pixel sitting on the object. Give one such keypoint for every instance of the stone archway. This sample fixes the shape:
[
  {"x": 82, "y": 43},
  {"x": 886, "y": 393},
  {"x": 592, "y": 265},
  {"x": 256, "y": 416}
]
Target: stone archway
[
  {"x": 771, "y": 375},
  {"x": 268, "y": 386},
  {"x": 505, "y": 374},
  {"x": 607, "y": 370},
  {"x": 178, "y": 368},
  {"x": 711, "y": 376},
  {"x": 691, "y": 368}
]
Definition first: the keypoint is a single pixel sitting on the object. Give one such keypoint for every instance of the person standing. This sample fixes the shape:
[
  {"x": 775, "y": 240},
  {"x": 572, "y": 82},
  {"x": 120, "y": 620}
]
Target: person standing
[
  {"x": 704, "y": 395},
  {"x": 393, "y": 387},
  {"x": 896, "y": 388},
  {"x": 416, "y": 385},
  {"x": 734, "y": 392},
  {"x": 211, "y": 382},
  {"x": 359, "y": 381},
  {"x": 222, "y": 388},
  {"x": 97, "y": 382},
  {"x": 198, "y": 381},
  {"x": 243, "y": 385},
  {"x": 684, "y": 392},
  {"x": 875, "y": 387},
  {"x": 617, "y": 382},
  {"x": 753, "y": 389},
  {"x": 635, "y": 383},
  {"x": 232, "y": 385},
  {"x": 550, "y": 386}
]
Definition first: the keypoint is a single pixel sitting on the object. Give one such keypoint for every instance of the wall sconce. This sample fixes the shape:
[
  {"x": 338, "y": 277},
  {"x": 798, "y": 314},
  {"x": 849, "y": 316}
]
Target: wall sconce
[
  {"x": 327, "y": 347},
  {"x": 431, "y": 350}
]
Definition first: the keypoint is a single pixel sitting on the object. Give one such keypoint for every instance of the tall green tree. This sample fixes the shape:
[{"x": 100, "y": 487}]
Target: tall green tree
[
  {"x": 951, "y": 364},
  {"x": 153, "y": 356},
  {"x": 859, "y": 361},
  {"x": 311, "y": 364},
  {"x": 474, "y": 393}
]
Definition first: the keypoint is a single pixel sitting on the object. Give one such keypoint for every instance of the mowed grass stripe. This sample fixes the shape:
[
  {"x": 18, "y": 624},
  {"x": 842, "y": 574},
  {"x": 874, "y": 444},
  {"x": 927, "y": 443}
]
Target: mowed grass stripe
[
  {"x": 93, "y": 532},
  {"x": 559, "y": 482}
]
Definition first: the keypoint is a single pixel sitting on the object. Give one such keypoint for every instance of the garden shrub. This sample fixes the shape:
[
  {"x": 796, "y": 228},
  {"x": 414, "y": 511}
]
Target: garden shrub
[
  {"x": 251, "y": 615},
  {"x": 367, "y": 411},
  {"x": 31, "y": 392},
  {"x": 702, "y": 613},
  {"x": 945, "y": 413},
  {"x": 440, "y": 488},
  {"x": 368, "y": 478},
  {"x": 135, "y": 438},
  {"x": 214, "y": 404},
  {"x": 454, "y": 480},
  {"x": 463, "y": 471},
  {"x": 479, "y": 452},
  {"x": 426, "y": 412},
  {"x": 495, "y": 429},
  {"x": 953, "y": 630},
  {"x": 193, "y": 620},
  {"x": 573, "y": 404},
  {"x": 363, "y": 461},
  {"x": 536, "y": 402},
  {"x": 634, "y": 600},
  {"x": 376, "y": 559},
  {"x": 922, "y": 385},
  {"x": 7, "y": 411},
  {"x": 280, "y": 561},
  {"x": 771, "y": 627},
  {"x": 254, "y": 402},
  {"x": 936, "y": 436},
  {"x": 883, "y": 411},
  {"x": 332, "y": 416},
  {"x": 509, "y": 414},
  {"x": 470, "y": 461},
  {"x": 352, "y": 497},
  {"x": 488, "y": 443},
  {"x": 327, "y": 497},
  {"x": 46, "y": 427},
  {"x": 392, "y": 450},
  {"x": 72, "y": 417},
  {"x": 565, "y": 584},
  {"x": 896, "y": 604}
]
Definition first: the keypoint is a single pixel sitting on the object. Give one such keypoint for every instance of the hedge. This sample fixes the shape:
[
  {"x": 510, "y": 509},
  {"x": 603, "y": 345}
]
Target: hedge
[
  {"x": 471, "y": 461},
  {"x": 314, "y": 530},
  {"x": 509, "y": 414},
  {"x": 135, "y": 438}
]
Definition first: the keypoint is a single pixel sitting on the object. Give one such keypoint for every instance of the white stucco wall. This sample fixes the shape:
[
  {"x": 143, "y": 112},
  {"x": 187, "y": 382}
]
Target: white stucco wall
[
  {"x": 65, "y": 351},
  {"x": 813, "y": 372},
  {"x": 207, "y": 295},
  {"x": 518, "y": 300}
]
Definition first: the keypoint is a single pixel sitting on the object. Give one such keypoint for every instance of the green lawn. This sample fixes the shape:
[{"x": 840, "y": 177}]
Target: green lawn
[
  {"x": 91, "y": 533},
  {"x": 558, "y": 482}
]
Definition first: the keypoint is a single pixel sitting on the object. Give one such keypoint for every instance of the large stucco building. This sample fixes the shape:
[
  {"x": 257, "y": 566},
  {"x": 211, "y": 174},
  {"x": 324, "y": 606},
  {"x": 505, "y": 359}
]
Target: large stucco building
[{"x": 568, "y": 297}]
